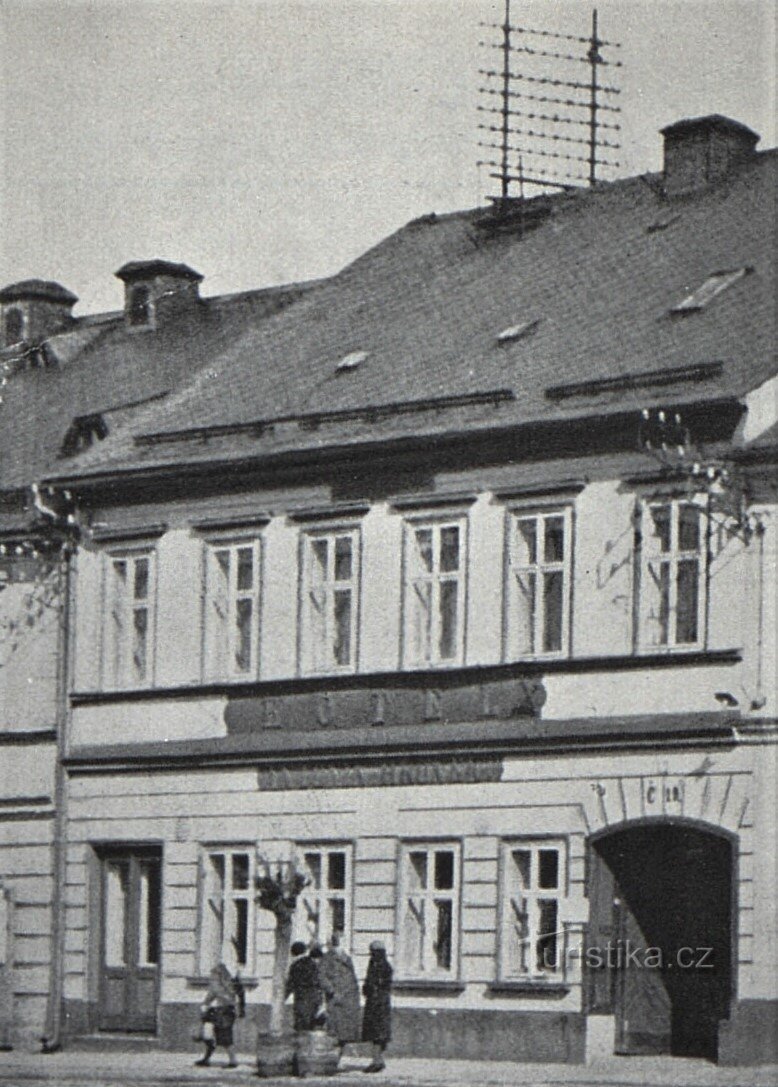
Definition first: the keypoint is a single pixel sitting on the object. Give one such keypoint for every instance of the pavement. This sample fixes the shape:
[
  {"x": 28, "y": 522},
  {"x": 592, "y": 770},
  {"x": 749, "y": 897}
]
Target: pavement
[{"x": 71, "y": 1068}]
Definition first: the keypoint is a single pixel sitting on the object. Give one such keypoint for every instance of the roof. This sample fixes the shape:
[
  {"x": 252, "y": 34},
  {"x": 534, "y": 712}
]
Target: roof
[
  {"x": 101, "y": 366},
  {"x": 45, "y": 289},
  {"x": 145, "y": 269},
  {"x": 594, "y": 282},
  {"x": 710, "y": 121}
]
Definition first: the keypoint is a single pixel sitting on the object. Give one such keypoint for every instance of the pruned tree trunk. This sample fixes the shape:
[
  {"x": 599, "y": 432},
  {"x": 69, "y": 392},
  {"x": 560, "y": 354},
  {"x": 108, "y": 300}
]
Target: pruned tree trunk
[{"x": 283, "y": 940}]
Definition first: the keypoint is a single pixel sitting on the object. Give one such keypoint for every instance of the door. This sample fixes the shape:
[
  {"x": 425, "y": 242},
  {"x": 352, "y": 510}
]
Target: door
[
  {"x": 660, "y": 934},
  {"x": 129, "y": 975}
]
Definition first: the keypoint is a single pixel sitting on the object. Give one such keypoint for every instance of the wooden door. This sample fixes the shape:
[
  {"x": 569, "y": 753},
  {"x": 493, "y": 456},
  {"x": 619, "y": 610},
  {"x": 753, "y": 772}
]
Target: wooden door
[{"x": 129, "y": 976}]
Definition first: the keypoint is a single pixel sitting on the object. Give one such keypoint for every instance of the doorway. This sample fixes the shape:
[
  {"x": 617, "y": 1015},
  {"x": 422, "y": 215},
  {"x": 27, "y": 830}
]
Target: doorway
[
  {"x": 129, "y": 954},
  {"x": 659, "y": 946}
]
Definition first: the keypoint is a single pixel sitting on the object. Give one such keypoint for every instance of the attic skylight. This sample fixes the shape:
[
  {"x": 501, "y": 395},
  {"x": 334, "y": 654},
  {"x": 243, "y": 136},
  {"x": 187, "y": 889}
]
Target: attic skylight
[
  {"x": 352, "y": 360},
  {"x": 517, "y": 332},
  {"x": 713, "y": 285}
]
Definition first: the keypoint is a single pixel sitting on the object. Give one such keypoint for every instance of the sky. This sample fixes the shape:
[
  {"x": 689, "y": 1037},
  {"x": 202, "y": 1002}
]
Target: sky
[{"x": 270, "y": 141}]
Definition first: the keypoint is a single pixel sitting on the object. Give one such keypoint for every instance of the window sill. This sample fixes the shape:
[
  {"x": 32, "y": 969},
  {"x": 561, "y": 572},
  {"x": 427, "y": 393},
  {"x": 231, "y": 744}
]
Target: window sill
[
  {"x": 202, "y": 981},
  {"x": 428, "y": 985},
  {"x": 529, "y": 987}
]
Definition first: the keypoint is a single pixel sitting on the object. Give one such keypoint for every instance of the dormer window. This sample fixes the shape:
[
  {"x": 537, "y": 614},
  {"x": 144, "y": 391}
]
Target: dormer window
[
  {"x": 139, "y": 306},
  {"x": 14, "y": 326}
]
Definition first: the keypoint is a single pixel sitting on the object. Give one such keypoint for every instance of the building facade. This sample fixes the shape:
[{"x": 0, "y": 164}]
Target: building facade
[{"x": 454, "y": 582}]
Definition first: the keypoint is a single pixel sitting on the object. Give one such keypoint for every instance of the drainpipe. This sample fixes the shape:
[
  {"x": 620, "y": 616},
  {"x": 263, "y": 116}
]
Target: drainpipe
[{"x": 52, "y": 1040}]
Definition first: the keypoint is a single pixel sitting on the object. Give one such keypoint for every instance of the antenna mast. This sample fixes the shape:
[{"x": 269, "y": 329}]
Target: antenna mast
[{"x": 530, "y": 96}]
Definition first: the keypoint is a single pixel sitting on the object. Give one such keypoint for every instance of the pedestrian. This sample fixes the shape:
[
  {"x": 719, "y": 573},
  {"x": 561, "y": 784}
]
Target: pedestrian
[
  {"x": 302, "y": 983},
  {"x": 377, "y": 1018},
  {"x": 341, "y": 991},
  {"x": 223, "y": 1001}
]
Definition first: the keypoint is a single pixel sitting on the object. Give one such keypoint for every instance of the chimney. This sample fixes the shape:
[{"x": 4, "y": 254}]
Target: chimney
[
  {"x": 701, "y": 151},
  {"x": 156, "y": 289},
  {"x": 33, "y": 310}
]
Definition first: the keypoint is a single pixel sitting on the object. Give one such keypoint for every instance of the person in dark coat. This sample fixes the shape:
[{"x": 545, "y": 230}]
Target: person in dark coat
[
  {"x": 377, "y": 1018},
  {"x": 223, "y": 1002},
  {"x": 341, "y": 990},
  {"x": 302, "y": 982}
]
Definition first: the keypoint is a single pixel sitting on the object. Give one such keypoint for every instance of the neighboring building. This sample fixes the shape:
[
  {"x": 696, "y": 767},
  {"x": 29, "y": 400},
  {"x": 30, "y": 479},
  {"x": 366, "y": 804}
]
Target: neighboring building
[
  {"x": 394, "y": 585},
  {"x": 65, "y": 382}
]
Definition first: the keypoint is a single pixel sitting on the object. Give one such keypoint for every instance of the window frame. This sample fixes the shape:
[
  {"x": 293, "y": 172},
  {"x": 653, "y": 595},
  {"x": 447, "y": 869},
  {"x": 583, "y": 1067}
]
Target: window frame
[
  {"x": 541, "y": 512},
  {"x": 226, "y": 670},
  {"x": 117, "y": 676},
  {"x": 306, "y": 651},
  {"x": 134, "y": 308},
  {"x": 405, "y": 847},
  {"x": 325, "y": 849},
  {"x": 205, "y": 957},
  {"x": 533, "y": 845},
  {"x": 435, "y": 522},
  {"x": 644, "y": 557}
]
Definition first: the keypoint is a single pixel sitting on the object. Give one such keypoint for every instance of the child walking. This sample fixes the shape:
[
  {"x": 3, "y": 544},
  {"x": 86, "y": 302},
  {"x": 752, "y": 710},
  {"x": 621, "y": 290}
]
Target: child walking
[{"x": 222, "y": 1004}]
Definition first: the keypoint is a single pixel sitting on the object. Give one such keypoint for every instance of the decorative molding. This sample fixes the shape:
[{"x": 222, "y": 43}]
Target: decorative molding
[
  {"x": 118, "y": 533},
  {"x": 230, "y": 521},
  {"x": 539, "y": 489},
  {"x": 432, "y": 500},
  {"x": 333, "y": 512}
]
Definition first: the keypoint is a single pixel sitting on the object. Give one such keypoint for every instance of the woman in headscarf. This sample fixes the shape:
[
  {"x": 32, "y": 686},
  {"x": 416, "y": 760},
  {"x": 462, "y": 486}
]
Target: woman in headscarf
[
  {"x": 377, "y": 1018},
  {"x": 302, "y": 982},
  {"x": 341, "y": 989},
  {"x": 218, "y": 1013}
]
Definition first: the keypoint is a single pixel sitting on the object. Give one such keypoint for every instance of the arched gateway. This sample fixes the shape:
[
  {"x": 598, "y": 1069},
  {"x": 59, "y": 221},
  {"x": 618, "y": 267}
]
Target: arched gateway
[{"x": 660, "y": 943}]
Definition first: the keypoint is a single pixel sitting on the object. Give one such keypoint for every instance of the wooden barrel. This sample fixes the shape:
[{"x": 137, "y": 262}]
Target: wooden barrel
[
  {"x": 316, "y": 1054},
  {"x": 275, "y": 1055}
]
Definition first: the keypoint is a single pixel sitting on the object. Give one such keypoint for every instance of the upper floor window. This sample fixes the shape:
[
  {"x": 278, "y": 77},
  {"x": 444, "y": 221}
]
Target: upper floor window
[
  {"x": 434, "y": 593},
  {"x": 532, "y": 887},
  {"x": 325, "y": 903},
  {"x": 14, "y": 326},
  {"x": 538, "y": 583},
  {"x": 139, "y": 306},
  {"x": 428, "y": 930},
  {"x": 672, "y": 574},
  {"x": 129, "y": 619},
  {"x": 227, "y": 909},
  {"x": 232, "y": 609},
  {"x": 328, "y": 635}
]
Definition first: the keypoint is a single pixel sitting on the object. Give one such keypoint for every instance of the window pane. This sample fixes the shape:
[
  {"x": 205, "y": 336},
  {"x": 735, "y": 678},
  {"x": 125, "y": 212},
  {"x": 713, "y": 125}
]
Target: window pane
[
  {"x": 120, "y": 574},
  {"x": 659, "y": 528},
  {"x": 342, "y": 647},
  {"x": 336, "y": 871},
  {"x": 444, "y": 869},
  {"x": 553, "y": 599},
  {"x": 141, "y": 579},
  {"x": 449, "y": 594},
  {"x": 548, "y": 938},
  {"x": 244, "y": 610},
  {"x": 548, "y": 869},
  {"x": 245, "y": 573},
  {"x": 444, "y": 911},
  {"x": 318, "y": 552},
  {"x": 526, "y": 542},
  {"x": 240, "y": 934},
  {"x": 140, "y": 638},
  {"x": 526, "y": 605},
  {"x": 449, "y": 548},
  {"x": 555, "y": 539},
  {"x": 149, "y": 919},
  {"x": 688, "y": 528},
  {"x": 688, "y": 590},
  {"x": 417, "y": 871},
  {"x": 413, "y": 935},
  {"x": 240, "y": 871},
  {"x": 343, "y": 558},
  {"x": 422, "y": 625},
  {"x": 423, "y": 538},
  {"x": 658, "y": 611},
  {"x": 521, "y": 860},
  {"x": 313, "y": 864},
  {"x": 337, "y": 909},
  {"x": 117, "y": 883}
]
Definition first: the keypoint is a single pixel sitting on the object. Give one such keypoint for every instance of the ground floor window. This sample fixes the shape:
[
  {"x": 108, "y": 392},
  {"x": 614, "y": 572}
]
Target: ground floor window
[
  {"x": 531, "y": 941},
  {"x": 325, "y": 903},
  {"x": 428, "y": 930},
  {"x": 227, "y": 918}
]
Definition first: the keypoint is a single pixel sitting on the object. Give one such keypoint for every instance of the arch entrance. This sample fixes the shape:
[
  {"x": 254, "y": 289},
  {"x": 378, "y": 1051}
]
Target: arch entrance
[{"x": 659, "y": 946}]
